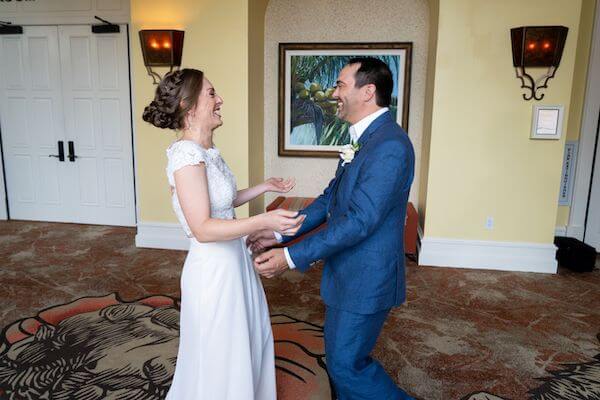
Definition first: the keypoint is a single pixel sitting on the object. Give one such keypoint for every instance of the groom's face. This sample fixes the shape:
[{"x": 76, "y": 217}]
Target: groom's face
[{"x": 348, "y": 96}]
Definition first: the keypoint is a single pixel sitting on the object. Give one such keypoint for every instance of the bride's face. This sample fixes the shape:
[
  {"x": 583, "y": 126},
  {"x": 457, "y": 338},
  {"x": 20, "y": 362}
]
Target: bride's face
[{"x": 208, "y": 109}]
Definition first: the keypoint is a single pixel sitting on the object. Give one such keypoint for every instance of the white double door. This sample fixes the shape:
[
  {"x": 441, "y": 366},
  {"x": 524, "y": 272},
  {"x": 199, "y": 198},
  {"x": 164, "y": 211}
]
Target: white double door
[{"x": 65, "y": 86}]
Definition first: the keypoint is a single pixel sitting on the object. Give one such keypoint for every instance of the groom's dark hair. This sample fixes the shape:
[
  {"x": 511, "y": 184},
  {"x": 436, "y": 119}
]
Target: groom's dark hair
[{"x": 374, "y": 71}]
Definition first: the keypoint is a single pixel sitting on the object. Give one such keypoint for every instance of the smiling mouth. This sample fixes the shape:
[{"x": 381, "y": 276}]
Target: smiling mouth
[{"x": 217, "y": 112}]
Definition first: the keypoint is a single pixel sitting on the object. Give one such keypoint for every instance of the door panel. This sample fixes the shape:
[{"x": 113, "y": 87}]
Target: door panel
[
  {"x": 96, "y": 103},
  {"x": 31, "y": 119}
]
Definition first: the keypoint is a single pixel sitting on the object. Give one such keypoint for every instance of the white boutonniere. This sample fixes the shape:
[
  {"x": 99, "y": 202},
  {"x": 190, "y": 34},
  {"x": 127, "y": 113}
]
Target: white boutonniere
[{"x": 348, "y": 152}]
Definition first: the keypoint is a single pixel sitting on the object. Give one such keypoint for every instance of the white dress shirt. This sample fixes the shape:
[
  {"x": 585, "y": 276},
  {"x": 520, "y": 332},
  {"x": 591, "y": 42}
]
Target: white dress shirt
[{"x": 356, "y": 132}]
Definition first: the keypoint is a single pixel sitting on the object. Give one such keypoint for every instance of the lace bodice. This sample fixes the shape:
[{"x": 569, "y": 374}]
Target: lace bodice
[{"x": 222, "y": 188}]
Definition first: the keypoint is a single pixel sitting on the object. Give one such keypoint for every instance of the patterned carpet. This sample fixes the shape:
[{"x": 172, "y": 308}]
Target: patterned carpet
[{"x": 77, "y": 302}]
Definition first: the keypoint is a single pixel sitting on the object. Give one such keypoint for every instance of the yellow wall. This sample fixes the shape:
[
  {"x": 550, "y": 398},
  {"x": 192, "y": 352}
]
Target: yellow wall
[
  {"x": 256, "y": 56},
  {"x": 482, "y": 162},
  {"x": 582, "y": 57},
  {"x": 216, "y": 42},
  {"x": 434, "y": 10}
]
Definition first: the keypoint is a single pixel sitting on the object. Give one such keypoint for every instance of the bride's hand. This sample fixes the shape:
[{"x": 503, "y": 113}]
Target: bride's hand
[
  {"x": 260, "y": 241},
  {"x": 279, "y": 185},
  {"x": 283, "y": 221}
]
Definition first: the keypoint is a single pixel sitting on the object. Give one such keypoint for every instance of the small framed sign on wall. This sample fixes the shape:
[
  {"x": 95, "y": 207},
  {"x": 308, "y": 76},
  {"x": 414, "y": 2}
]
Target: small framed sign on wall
[
  {"x": 547, "y": 122},
  {"x": 567, "y": 180}
]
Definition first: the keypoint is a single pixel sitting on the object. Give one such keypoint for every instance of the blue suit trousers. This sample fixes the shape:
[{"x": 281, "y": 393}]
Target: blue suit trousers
[{"x": 349, "y": 340}]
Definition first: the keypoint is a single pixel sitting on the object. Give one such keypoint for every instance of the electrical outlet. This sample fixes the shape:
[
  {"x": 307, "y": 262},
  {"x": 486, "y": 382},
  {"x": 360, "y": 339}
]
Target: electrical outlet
[{"x": 489, "y": 223}]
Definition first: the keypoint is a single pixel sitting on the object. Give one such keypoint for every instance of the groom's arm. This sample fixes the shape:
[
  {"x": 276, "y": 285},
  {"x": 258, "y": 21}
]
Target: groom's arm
[
  {"x": 383, "y": 174},
  {"x": 316, "y": 214}
]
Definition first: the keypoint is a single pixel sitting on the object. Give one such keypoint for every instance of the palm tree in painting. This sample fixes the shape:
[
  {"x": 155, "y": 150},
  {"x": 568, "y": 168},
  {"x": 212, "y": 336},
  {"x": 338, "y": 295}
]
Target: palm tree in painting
[{"x": 313, "y": 107}]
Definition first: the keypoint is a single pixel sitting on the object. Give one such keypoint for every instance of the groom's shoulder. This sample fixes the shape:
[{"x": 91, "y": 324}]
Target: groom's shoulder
[
  {"x": 391, "y": 134},
  {"x": 391, "y": 143}
]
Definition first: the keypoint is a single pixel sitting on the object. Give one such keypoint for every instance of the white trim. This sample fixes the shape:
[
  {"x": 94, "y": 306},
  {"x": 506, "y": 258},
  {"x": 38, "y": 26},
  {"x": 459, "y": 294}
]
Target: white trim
[
  {"x": 160, "y": 235},
  {"x": 3, "y": 209},
  {"x": 40, "y": 13},
  {"x": 587, "y": 137},
  {"x": 132, "y": 48},
  {"x": 32, "y": 20},
  {"x": 575, "y": 231},
  {"x": 503, "y": 256},
  {"x": 560, "y": 231}
]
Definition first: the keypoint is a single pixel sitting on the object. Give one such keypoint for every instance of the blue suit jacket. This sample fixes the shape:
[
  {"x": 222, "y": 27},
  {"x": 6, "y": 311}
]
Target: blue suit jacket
[{"x": 365, "y": 209}]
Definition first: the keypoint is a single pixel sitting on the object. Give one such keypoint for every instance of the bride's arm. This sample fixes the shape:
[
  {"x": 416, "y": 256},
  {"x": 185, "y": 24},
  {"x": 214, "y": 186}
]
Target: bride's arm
[
  {"x": 192, "y": 190},
  {"x": 277, "y": 185},
  {"x": 245, "y": 195}
]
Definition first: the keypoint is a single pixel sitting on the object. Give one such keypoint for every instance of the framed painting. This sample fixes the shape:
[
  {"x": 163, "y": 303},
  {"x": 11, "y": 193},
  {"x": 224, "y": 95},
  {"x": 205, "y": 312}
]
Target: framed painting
[{"x": 308, "y": 125}]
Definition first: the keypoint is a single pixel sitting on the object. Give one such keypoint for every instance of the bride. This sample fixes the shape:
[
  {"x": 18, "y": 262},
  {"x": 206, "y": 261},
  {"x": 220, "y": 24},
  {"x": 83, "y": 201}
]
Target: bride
[{"x": 226, "y": 343}]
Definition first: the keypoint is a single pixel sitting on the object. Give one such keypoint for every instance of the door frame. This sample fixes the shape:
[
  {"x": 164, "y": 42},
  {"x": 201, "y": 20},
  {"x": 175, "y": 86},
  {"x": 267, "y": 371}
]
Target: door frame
[
  {"x": 122, "y": 16},
  {"x": 587, "y": 139},
  {"x": 3, "y": 198}
]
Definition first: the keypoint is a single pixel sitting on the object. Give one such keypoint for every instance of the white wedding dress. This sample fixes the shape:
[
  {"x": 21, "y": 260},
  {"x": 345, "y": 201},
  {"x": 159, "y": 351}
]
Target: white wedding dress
[{"x": 226, "y": 342}]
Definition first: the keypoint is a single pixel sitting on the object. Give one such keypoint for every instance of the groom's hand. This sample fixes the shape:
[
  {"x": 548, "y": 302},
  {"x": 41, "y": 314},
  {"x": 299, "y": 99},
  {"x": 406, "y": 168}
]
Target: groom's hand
[
  {"x": 260, "y": 241},
  {"x": 271, "y": 263}
]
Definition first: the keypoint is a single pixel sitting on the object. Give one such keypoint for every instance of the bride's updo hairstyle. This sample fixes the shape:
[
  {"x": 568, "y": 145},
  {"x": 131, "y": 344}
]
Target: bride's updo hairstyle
[{"x": 176, "y": 94}]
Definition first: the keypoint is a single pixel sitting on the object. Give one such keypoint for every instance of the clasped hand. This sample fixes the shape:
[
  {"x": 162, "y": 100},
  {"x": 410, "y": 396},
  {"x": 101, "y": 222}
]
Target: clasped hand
[{"x": 273, "y": 262}]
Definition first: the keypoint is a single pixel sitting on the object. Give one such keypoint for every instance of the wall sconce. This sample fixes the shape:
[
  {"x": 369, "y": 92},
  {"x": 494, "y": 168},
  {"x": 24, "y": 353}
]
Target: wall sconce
[
  {"x": 161, "y": 48},
  {"x": 537, "y": 47}
]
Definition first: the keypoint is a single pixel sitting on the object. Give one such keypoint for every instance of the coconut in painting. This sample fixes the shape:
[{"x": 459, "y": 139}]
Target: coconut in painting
[{"x": 308, "y": 122}]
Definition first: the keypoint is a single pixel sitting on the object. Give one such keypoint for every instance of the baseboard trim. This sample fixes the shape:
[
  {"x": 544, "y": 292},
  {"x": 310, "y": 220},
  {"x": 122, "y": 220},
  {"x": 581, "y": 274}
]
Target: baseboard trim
[
  {"x": 502, "y": 256},
  {"x": 575, "y": 231},
  {"x": 160, "y": 235}
]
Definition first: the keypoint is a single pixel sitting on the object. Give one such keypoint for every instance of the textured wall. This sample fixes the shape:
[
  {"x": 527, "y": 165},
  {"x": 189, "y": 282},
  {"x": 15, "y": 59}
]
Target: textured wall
[{"x": 340, "y": 21}]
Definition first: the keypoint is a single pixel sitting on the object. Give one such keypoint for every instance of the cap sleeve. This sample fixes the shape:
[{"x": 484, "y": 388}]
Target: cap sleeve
[{"x": 185, "y": 153}]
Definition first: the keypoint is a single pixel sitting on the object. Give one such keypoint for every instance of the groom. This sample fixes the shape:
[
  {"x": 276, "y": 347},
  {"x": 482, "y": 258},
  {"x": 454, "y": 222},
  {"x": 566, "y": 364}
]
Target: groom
[{"x": 365, "y": 208}]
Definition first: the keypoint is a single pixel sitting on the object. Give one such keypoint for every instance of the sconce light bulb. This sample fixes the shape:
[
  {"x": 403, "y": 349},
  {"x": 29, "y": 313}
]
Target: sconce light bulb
[
  {"x": 546, "y": 45},
  {"x": 531, "y": 46},
  {"x": 154, "y": 45},
  {"x": 167, "y": 45}
]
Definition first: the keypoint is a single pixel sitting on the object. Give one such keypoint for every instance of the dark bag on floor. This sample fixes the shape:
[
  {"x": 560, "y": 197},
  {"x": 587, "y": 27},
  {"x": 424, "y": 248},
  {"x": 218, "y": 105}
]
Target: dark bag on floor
[{"x": 574, "y": 254}]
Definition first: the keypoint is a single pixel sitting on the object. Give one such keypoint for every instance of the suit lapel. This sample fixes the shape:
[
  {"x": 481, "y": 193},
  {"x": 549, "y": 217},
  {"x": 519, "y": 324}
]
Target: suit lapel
[
  {"x": 338, "y": 174},
  {"x": 383, "y": 118}
]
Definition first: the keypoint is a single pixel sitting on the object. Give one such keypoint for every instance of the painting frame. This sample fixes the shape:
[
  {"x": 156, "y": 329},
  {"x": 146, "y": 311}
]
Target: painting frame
[{"x": 287, "y": 50}]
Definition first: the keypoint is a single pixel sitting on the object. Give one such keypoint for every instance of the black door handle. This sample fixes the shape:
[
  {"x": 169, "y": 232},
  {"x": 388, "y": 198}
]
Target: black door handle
[
  {"x": 72, "y": 155},
  {"x": 61, "y": 151}
]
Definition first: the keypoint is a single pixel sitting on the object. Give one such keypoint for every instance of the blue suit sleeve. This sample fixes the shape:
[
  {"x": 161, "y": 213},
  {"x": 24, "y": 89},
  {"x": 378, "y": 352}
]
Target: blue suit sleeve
[
  {"x": 383, "y": 173},
  {"x": 316, "y": 214}
]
